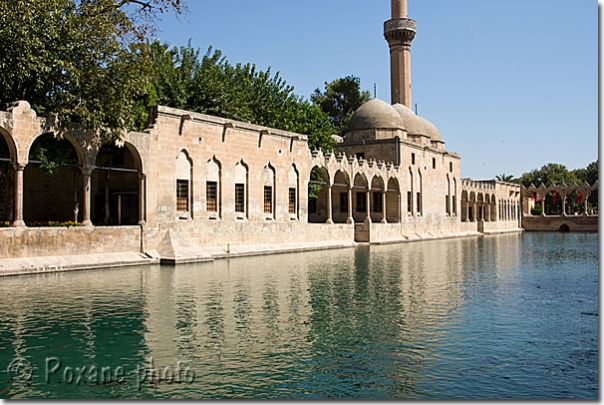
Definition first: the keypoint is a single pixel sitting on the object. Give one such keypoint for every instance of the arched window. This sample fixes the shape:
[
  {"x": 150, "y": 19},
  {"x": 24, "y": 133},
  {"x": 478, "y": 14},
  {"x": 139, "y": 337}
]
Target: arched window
[
  {"x": 184, "y": 186},
  {"x": 213, "y": 188},
  {"x": 241, "y": 190},
  {"x": 269, "y": 192}
]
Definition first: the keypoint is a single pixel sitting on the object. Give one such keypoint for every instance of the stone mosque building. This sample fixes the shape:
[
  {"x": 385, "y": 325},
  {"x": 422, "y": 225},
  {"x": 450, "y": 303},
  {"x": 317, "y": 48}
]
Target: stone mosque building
[{"x": 195, "y": 187}]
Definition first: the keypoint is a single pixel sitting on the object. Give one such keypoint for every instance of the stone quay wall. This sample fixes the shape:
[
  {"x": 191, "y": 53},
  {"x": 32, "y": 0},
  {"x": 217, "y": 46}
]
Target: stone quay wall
[
  {"x": 550, "y": 223},
  {"x": 34, "y": 242}
]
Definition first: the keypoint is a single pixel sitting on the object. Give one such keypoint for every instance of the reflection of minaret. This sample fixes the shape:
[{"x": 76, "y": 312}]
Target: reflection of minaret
[{"x": 399, "y": 32}]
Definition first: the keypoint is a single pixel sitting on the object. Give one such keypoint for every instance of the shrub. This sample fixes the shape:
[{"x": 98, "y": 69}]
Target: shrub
[{"x": 537, "y": 210}]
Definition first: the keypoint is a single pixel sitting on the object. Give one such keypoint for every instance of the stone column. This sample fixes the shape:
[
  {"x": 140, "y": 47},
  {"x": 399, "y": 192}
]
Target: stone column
[
  {"x": 329, "y": 206},
  {"x": 384, "y": 221},
  {"x": 86, "y": 180},
  {"x": 368, "y": 205},
  {"x": 350, "y": 220},
  {"x": 563, "y": 204},
  {"x": 141, "y": 198},
  {"x": 19, "y": 168},
  {"x": 585, "y": 202}
]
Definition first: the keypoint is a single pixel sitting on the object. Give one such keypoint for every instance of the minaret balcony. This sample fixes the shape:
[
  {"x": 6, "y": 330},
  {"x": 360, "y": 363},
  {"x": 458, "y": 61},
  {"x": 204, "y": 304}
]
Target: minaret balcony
[{"x": 399, "y": 24}]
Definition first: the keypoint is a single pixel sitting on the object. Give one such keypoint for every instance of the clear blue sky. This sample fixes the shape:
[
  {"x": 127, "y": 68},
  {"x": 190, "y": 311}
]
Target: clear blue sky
[{"x": 511, "y": 85}]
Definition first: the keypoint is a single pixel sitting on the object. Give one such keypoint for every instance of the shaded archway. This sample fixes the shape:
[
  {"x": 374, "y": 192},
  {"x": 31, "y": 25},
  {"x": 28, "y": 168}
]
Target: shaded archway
[
  {"x": 480, "y": 207},
  {"x": 464, "y": 206},
  {"x": 116, "y": 186},
  {"x": 7, "y": 180},
  {"x": 52, "y": 182},
  {"x": 341, "y": 197},
  {"x": 393, "y": 201},
  {"x": 378, "y": 199},
  {"x": 318, "y": 187},
  {"x": 564, "y": 228},
  {"x": 472, "y": 207},
  {"x": 360, "y": 199}
]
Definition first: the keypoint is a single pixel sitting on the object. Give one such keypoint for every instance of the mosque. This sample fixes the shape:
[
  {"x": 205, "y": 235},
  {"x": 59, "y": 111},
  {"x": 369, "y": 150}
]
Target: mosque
[{"x": 194, "y": 187}]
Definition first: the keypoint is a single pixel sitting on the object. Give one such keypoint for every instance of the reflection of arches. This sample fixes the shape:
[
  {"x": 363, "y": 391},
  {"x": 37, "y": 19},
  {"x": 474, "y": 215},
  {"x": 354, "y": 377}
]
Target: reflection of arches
[
  {"x": 564, "y": 228},
  {"x": 317, "y": 199},
  {"x": 214, "y": 188},
  {"x": 270, "y": 192},
  {"x": 184, "y": 185},
  {"x": 241, "y": 190},
  {"x": 52, "y": 181},
  {"x": 116, "y": 186},
  {"x": 393, "y": 201},
  {"x": 341, "y": 197},
  {"x": 360, "y": 207}
]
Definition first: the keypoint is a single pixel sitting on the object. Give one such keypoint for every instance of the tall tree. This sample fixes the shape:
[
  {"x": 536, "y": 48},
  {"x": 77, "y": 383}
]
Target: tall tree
[
  {"x": 81, "y": 60},
  {"x": 341, "y": 98},
  {"x": 507, "y": 178}
]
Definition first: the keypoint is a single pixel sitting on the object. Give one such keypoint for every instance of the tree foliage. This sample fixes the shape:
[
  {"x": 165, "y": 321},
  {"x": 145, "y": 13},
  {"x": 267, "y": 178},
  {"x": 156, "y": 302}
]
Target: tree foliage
[
  {"x": 82, "y": 60},
  {"x": 508, "y": 178},
  {"x": 341, "y": 98}
]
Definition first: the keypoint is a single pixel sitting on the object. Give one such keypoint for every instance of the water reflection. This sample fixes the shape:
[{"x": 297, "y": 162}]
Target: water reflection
[{"x": 495, "y": 317}]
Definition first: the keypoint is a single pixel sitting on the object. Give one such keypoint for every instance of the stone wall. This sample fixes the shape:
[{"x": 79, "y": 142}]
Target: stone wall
[
  {"x": 579, "y": 223},
  {"x": 31, "y": 242}
]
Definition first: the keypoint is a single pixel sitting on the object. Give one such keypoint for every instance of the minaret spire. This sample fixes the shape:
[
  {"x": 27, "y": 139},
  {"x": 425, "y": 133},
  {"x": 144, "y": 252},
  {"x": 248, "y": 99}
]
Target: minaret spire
[{"x": 399, "y": 32}]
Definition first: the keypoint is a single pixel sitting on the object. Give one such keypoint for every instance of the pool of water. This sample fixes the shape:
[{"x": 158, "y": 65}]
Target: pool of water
[{"x": 510, "y": 316}]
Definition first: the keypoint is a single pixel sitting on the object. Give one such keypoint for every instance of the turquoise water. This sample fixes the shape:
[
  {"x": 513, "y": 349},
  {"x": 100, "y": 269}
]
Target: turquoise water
[{"x": 511, "y": 316}]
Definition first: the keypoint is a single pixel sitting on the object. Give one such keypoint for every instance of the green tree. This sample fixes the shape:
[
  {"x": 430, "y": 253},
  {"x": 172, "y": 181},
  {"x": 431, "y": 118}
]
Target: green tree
[
  {"x": 211, "y": 85},
  {"x": 341, "y": 98},
  {"x": 551, "y": 173},
  {"x": 508, "y": 178},
  {"x": 84, "y": 61}
]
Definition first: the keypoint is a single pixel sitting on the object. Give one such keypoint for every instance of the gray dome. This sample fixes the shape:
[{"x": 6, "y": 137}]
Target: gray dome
[
  {"x": 375, "y": 114},
  {"x": 416, "y": 125}
]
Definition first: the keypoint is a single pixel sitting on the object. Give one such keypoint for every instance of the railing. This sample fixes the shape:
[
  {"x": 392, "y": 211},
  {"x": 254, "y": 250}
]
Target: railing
[{"x": 399, "y": 24}]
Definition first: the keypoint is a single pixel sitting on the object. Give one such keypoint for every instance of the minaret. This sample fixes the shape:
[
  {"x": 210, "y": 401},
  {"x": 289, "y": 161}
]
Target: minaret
[{"x": 399, "y": 32}]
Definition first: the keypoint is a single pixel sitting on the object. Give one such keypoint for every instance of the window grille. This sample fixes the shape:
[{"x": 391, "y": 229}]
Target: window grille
[
  {"x": 239, "y": 197},
  {"x": 182, "y": 195},
  {"x": 211, "y": 196},
  {"x": 268, "y": 200},
  {"x": 292, "y": 200},
  {"x": 344, "y": 203},
  {"x": 377, "y": 202},
  {"x": 361, "y": 202},
  {"x": 419, "y": 202}
]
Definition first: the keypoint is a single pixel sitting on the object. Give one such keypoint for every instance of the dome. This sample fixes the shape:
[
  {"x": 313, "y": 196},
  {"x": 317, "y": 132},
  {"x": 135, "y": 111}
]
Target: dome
[
  {"x": 416, "y": 125},
  {"x": 375, "y": 114}
]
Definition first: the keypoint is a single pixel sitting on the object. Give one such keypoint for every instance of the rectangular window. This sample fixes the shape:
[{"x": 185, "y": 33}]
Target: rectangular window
[
  {"x": 182, "y": 195},
  {"x": 361, "y": 202},
  {"x": 312, "y": 206},
  {"x": 413, "y": 158},
  {"x": 447, "y": 204},
  {"x": 211, "y": 196},
  {"x": 377, "y": 202},
  {"x": 419, "y": 202},
  {"x": 268, "y": 200},
  {"x": 344, "y": 203},
  {"x": 409, "y": 201},
  {"x": 451, "y": 167},
  {"x": 292, "y": 200},
  {"x": 239, "y": 197},
  {"x": 434, "y": 163}
]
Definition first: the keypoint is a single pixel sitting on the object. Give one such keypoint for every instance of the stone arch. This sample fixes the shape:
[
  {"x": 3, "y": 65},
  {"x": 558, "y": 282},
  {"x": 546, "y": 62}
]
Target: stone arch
[
  {"x": 214, "y": 188},
  {"x": 376, "y": 200},
  {"x": 393, "y": 201},
  {"x": 564, "y": 228},
  {"x": 52, "y": 186},
  {"x": 361, "y": 188},
  {"x": 10, "y": 144},
  {"x": 341, "y": 196},
  {"x": 241, "y": 189},
  {"x": 117, "y": 186},
  {"x": 318, "y": 190}
]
